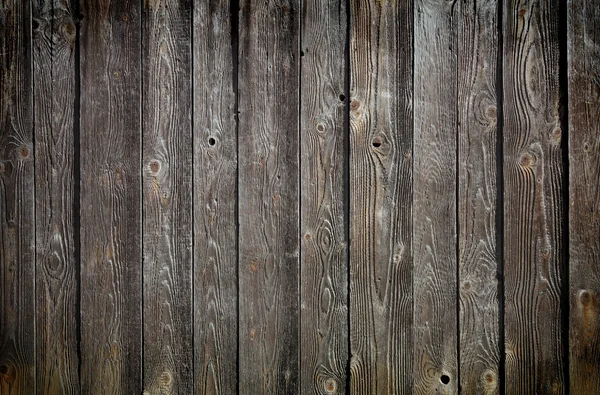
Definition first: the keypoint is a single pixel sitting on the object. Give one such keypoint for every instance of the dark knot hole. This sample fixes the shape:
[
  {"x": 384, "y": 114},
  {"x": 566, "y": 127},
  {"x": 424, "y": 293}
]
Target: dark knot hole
[{"x": 445, "y": 379}]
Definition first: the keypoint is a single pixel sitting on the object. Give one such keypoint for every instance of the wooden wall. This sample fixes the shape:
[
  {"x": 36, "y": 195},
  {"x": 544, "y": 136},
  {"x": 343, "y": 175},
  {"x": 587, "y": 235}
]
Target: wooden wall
[{"x": 299, "y": 197}]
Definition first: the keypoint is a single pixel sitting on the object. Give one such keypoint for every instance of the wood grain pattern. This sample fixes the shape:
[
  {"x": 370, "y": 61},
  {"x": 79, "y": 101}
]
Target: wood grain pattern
[
  {"x": 434, "y": 199},
  {"x": 381, "y": 129},
  {"x": 215, "y": 200},
  {"x": 533, "y": 198},
  {"x": 54, "y": 48},
  {"x": 110, "y": 197},
  {"x": 167, "y": 197},
  {"x": 479, "y": 317},
  {"x": 324, "y": 272},
  {"x": 584, "y": 201},
  {"x": 268, "y": 197},
  {"x": 17, "y": 233}
]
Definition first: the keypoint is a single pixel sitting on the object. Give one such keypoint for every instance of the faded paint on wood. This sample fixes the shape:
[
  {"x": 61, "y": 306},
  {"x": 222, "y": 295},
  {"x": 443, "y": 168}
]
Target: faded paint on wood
[
  {"x": 111, "y": 261},
  {"x": 324, "y": 272},
  {"x": 584, "y": 201},
  {"x": 215, "y": 200},
  {"x": 268, "y": 197},
  {"x": 533, "y": 200},
  {"x": 57, "y": 281},
  {"x": 380, "y": 156},
  {"x": 17, "y": 237}
]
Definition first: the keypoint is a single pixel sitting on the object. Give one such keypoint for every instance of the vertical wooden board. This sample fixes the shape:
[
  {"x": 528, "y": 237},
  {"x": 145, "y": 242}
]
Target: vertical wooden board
[
  {"x": 479, "y": 316},
  {"x": 110, "y": 197},
  {"x": 268, "y": 197},
  {"x": 54, "y": 47},
  {"x": 584, "y": 209},
  {"x": 324, "y": 272},
  {"x": 215, "y": 200},
  {"x": 167, "y": 197},
  {"x": 17, "y": 237},
  {"x": 533, "y": 198},
  {"x": 434, "y": 199},
  {"x": 381, "y": 129}
]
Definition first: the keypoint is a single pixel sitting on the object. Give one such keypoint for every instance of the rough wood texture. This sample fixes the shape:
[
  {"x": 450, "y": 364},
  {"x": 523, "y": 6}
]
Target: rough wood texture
[
  {"x": 324, "y": 273},
  {"x": 584, "y": 209},
  {"x": 215, "y": 201},
  {"x": 167, "y": 197},
  {"x": 268, "y": 197},
  {"x": 54, "y": 48},
  {"x": 110, "y": 197},
  {"x": 434, "y": 199},
  {"x": 533, "y": 198},
  {"x": 17, "y": 237},
  {"x": 381, "y": 262},
  {"x": 478, "y": 260}
]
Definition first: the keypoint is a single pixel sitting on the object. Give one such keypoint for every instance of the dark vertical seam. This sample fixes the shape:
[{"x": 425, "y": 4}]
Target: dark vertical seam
[
  {"x": 299, "y": 184},
  {"x": 454, "y": 48},
  {"x": 347, "y": 187},
  {"x": 28, "y": 16},
  {"x": 193, "y": 201},
  {"x": 141, "y": 190},
  {"x": 411, "y": 22}
]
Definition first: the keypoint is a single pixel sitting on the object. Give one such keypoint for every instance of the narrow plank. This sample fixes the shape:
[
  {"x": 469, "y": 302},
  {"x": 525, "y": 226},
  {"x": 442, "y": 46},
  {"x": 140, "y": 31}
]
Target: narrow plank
[
  {"x": 215, "y": 200},
  {"x": 54, "y": 46},
  {"x": 434, "y": 215},
  {"x": 268, "y": 197},
  {"x": 533, "y": 199},
  {"x": 381, "y": 130},
  {"x": 324, "y": 272},
  {"x": 17, "y": 233},
  {"x": 110, "y": 197},
  {"x": 477, "y": 24},
  {"x": 584, "y": 202},
  {"x": 167, "y": 197}
]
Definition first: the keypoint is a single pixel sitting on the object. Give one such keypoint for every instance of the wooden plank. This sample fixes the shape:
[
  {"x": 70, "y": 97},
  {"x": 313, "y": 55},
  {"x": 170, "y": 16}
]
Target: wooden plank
[
  {"x": 381, "y": 129},
  {"x": 17, "y": 237},
  {"x": 434, "y": 215},
  {"x": 54, "y": 47},
  {"x": 268, "y": 197},
  {"x": 584, "y": 201},
  {"x": 533, "y": 200},
  {"x": 324, "y": 272},
  {"x": 110, "y": 197},
  {"x": 215, "y": 200},
  {"x": 477, "y": 52},
  {"x": 167, "y": 197}
]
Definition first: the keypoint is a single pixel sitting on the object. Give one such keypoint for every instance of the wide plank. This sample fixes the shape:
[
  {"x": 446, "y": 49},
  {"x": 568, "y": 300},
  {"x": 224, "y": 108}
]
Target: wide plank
[
  {"x": 324, "y": 256},
  {"x": 533, "y": 199},
  {"x": 268, "y": 197},
  {"x": 111, "y": 259},
  {"x": 380, "y": 215},
  {"x": 57, "y": 274},
  {"x": 584, "y": 200}
]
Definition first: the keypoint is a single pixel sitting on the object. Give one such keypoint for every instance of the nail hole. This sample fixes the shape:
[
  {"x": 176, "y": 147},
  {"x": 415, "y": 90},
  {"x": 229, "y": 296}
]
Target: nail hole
[
  {"x": 320, "y": 127},
  {"x": 35, "y": 24},
  {"x": 445, "y": 379},
  {"x": 301, "y": 53},
  {"x": 211, "y": 141},
  {"x": 342, "y": 97}
]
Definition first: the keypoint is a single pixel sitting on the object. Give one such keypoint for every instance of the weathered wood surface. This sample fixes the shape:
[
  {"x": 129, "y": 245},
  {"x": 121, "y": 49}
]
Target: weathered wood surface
[
  {"x": 54, "y": 56},
  {"x": 17, "y": 219},
  {"x": 268, "y": 197},
  {"x": 111, "y": 260},
  {"x": 167, "y": 162},
  {"x": 434, "y": 215},
  {"x": 584, "y": 201},
  {"x": 380, "y": 158},
  {"x": 533, "y": 200},
  {"x": 324, "y": 256},
  {"x": 215, "y": 199},
  {"x": 477, "y": 52}
]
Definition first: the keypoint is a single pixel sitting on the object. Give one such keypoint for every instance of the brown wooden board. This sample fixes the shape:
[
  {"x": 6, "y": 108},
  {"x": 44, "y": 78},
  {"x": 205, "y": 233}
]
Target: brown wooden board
[
  {"x": 215, "y": 200},
  {"x": 477, "y": 52},
  {"x": 57, "y": 279},
  {"x": 268, "y": 197},
  {"x": 167, "y": 157},
  {"x": 380, "y": 155},
  {"x": 324, "y": 272},
  {"x": 111, "y": 171},
  {"x": 533, "y": 199},
  {"x": 17, "y": 220},
  {"x": 584, "y": 200}
]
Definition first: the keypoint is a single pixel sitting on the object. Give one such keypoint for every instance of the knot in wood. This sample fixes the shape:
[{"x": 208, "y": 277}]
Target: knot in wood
[
  {"x": 24, "y": 152},
  {"x": 491, "y": 112},
  {"x": 527, "y": 159},
  {"x": 154, "y": 166},
  {"x": 330, "y": 386},
  {"x": 585, "y": 297},
  {"x": 354, "y": 105}
]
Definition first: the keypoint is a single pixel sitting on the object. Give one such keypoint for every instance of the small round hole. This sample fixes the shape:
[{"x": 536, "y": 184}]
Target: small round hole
[
  {"x": 376, "y": 143},
  {"x": 445, "y": 379},
  {"x": 211, "y": 141},
  {"x": 342, "y": 97},
  {"x": 301, "y": 53}
]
